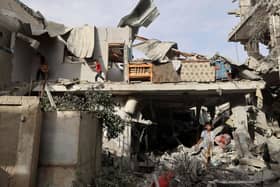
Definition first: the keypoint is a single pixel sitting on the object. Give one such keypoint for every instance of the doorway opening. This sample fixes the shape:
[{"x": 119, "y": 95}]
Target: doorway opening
[{"x": 115, "y": 62}]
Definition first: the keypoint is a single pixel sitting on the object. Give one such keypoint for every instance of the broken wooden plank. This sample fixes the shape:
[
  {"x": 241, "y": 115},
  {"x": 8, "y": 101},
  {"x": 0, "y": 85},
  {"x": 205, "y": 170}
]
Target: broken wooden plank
[{"x": 50, "y": 96}]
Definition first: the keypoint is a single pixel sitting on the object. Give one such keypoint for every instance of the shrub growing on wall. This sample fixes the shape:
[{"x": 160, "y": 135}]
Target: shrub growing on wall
[{"x": 100, "y": 103}]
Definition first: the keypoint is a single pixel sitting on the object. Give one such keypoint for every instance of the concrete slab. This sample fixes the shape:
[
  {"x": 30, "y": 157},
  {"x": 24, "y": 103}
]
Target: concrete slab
[{"x": 165, "y": 88}]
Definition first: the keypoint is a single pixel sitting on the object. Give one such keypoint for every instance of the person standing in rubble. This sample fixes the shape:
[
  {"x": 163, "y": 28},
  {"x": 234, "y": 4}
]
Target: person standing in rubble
[
  {"x": 206, "y": 143},
  {"x": 98, "y": 69}
]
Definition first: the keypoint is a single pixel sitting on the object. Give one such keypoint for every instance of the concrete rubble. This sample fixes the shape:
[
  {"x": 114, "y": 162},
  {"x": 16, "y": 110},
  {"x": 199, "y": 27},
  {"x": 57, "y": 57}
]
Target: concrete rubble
[{"x": 251, "y": 158}]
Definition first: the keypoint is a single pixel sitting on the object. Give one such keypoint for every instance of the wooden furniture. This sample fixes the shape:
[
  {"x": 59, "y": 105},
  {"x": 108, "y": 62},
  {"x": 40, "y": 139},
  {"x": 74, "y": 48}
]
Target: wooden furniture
[{"x": 140, "y": 72}]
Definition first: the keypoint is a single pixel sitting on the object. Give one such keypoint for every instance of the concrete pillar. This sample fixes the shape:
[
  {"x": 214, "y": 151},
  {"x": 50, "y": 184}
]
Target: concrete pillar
[
  {"x": 274, "y": 26},
  {"x": 127, "y": 51}
]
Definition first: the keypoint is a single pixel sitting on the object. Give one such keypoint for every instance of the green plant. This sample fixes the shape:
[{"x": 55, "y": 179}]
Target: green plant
[{"x": 101, "y": 103}]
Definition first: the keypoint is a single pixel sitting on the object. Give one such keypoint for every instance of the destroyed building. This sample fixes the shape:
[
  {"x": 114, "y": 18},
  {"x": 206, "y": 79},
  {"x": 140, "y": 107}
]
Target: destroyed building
[
  {"x": 164, "y": 100},
  {"x": 259, "y": 24}
]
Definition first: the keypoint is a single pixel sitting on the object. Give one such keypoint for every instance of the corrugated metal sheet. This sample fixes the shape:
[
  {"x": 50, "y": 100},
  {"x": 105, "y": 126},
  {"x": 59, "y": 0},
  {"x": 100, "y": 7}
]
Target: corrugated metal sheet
[
  {"x": 81, "y": 41},
  {"x": 155, "y": 50},
  {"x": 143, "y": 14}
]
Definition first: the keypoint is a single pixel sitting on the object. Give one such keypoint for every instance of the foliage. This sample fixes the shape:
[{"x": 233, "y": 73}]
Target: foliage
[{"x": 100, "y": 103}]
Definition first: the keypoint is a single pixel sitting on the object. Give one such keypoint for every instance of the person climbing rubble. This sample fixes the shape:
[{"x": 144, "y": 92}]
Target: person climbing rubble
[
  {"x": 98, "y": 69},
  {"x": 206, "y": 143}
]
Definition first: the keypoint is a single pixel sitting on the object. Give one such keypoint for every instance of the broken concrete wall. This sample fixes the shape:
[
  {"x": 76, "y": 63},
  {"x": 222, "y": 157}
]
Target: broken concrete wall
[
  {"x": 22, "y": 67},
  {"x": 106, "y": 36},
  {"x": 53, "y": 50},
  {"x": 20, "y": 125},
  {"x": 259, "y": 24},
  {"x": 70, "y": 151},
  {"x": 19, "y": 9}
]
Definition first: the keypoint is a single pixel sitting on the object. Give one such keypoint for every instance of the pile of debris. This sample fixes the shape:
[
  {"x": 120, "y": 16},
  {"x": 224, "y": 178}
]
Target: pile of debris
[
  {"x": 251, "y": 158},
  {"x": 116, "y": 173},
  {"x": 169, "y": 64}
]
